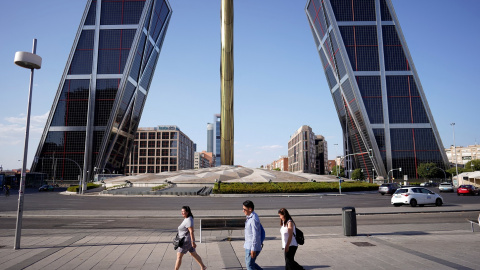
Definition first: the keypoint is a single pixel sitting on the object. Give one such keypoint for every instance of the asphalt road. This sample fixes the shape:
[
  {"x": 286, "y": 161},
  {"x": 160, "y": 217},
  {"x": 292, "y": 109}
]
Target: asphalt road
[{"x": 34, "y": 200}]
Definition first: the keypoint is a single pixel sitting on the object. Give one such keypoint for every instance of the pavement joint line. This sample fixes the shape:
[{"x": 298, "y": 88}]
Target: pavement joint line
[
  {"x": 421, "y": 254},
  {"x": 44, "y": 254}
]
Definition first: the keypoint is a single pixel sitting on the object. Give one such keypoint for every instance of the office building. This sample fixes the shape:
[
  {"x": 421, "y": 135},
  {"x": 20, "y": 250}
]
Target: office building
[
  {"x": 160, "y": 149},
  {"x": 200, "y": 161},
  {"x": 210, "y": 137},
  {"x": 380, "y": 102},
  {"x": 463, "y": 154},
  {"x": 100, "y": 98},
  {"x": 302, "y": 151},
  {"x": 321, "y": 155},
  {"x": 217, "y": 139},
  {"x": 281, "y": 163}
]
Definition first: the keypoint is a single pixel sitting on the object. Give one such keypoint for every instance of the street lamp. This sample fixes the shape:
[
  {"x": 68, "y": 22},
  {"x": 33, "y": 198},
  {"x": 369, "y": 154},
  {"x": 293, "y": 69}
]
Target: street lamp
[
  {"x": 399, "y": 169},
  {"x": 373, "y": 175},
  {"x": 32, "y": 62},
  {"x": 455, "y": 149}
]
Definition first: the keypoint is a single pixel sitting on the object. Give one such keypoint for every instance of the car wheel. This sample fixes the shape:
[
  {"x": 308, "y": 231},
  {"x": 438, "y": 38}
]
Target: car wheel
[
  {"x": 438, "y": 202},
  {"x": 397, "y": 205},
  {"x": 413, "y": 203}
]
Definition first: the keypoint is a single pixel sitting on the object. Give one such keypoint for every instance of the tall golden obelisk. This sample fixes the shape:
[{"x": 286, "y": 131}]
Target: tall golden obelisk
[{"x": 226, "y": 82}]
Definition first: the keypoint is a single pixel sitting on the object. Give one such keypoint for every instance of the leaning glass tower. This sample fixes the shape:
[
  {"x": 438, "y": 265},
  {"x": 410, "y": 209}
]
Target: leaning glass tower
[
  {"x": 99, "y": 102},
  {"x": 383, "y": 111}
]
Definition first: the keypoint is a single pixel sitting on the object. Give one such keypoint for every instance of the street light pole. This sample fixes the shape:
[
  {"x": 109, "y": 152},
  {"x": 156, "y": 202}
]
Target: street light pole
[
  {"x": 336, "y": 152},
  {"x": 32, "y": 62},
  {"x": 455, "y": 149}
]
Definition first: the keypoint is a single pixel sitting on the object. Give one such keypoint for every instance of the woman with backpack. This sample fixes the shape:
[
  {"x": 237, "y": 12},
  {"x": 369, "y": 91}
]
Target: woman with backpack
[{"x": 289, "y": 243}]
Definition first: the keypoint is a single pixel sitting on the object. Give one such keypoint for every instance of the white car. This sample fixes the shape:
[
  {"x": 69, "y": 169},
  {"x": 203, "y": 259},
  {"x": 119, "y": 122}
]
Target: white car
[
  {"x": 446, "y": 187},
  {"x": 416, "y": 196}
]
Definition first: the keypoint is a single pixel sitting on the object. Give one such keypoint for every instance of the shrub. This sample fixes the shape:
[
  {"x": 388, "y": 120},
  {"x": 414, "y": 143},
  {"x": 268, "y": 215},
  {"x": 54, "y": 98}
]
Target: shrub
[
  {"x": 76, "y": 188},
  {"x": 290, "y": 187},
  {"x": 159, "y": 187}
]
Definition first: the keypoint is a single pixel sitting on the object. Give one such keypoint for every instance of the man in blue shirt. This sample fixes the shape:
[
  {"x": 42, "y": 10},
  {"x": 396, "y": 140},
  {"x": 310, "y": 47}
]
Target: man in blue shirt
[{"x": 253, "y": 244}]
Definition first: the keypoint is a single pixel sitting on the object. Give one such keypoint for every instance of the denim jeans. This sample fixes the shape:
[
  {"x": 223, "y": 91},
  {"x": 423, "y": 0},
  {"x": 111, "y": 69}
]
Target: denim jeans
[{"x": 250, "y": 262}]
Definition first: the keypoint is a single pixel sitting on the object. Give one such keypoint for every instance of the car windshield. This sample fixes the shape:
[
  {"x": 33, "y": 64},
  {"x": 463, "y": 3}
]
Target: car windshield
[
  {"x": 402, "y": 190},
  {"x": 445, "y": 184}
]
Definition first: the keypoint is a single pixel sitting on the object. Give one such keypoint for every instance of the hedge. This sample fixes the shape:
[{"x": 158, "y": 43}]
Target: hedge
[
  {"x": 76, "y": 188},
  {"x": 290, "y": 187}
]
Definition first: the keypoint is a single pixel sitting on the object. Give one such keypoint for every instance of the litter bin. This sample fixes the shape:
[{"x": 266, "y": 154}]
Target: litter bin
[{"x": 349, "y": 221}]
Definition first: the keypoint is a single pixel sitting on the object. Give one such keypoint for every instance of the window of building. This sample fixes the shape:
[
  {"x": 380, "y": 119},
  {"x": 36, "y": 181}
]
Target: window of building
[
  {"x": 151, "y": 152},
  {"x": 165, "y": 135},
  {"x": 143, "y": 135},
  {"x": 151, "y": 144},
  {"x": 143, "y": 152}
]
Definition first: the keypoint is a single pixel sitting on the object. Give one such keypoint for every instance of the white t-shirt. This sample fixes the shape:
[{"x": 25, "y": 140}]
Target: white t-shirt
[
  {"x": 183, "y": 228},
  {"x": 284, "y": 233}
]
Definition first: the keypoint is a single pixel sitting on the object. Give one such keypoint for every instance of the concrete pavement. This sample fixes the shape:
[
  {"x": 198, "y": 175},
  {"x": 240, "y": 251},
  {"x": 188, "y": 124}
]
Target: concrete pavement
[{"x": 399, "y": 246}]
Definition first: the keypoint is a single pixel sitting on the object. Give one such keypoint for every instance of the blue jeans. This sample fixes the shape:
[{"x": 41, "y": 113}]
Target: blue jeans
[{"x": 250, "y": 262}]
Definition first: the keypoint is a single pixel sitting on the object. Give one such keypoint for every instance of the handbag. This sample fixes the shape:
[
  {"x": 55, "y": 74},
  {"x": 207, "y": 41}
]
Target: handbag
[{"x": 178, "y": 242}]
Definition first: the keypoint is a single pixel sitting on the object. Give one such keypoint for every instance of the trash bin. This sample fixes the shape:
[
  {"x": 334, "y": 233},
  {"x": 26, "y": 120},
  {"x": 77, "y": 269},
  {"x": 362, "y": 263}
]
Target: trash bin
[{"x": 349, "y": 221}]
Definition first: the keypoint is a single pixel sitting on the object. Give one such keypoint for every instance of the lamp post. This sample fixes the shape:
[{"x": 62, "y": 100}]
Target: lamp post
[
  {"x": 32, "y": 62},
  {"x": 399, "y": 169},
  {"x": 373, "y": 175},
  {"x": 455, "y": 149},
  {"x": 336, "y": 152}
]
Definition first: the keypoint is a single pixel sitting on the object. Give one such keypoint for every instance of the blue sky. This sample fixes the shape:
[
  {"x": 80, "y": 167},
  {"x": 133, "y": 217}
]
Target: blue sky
[{"x": 279, "y": 81}]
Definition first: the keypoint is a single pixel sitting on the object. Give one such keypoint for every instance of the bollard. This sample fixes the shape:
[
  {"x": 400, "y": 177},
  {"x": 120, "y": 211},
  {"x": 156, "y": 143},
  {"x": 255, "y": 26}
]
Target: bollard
[{"x": 349, "y": 221}]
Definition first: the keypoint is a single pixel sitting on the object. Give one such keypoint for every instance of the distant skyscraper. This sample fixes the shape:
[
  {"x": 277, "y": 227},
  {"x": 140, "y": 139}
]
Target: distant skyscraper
[
  {"x": 102, "y": 91},
  {"x": 375, "y": 87},
  {"x": 217, "y": 131},
  {"x": 210, "y": 137}
]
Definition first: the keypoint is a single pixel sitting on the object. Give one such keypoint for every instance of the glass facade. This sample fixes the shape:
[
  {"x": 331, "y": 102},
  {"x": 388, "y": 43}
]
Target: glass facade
[
  {"x": 377, "y": 93},
  {"x": 100, "y": 98},
  {"x": 216, "y": 122}
]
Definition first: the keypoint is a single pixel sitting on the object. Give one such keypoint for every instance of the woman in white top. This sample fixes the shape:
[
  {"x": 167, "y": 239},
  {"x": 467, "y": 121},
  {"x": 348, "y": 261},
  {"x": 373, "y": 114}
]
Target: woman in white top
[
  {"x": 289, "y": 243},
  {"x": 186, "y": 230}
]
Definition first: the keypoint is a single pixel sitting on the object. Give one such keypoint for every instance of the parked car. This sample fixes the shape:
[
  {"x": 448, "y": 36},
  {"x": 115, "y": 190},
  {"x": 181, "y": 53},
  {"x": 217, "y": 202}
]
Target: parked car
[
  {"x": 446, "y": 187},
  {"x": 428, "y": 184},
  {"x": 46, "y": 188},
  {"x": 416, "y": 196},
  {"x": 467, "y": 189},
  {"x": 388, "y": 188}
]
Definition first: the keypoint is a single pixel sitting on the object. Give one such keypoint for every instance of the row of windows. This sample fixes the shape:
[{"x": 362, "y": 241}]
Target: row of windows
[
  {"x": 158, "y": 144},
  {"x": 165, "y": 135},
  {"x": 154, "y": 160},
  {"x": 359, "y": 10},
  {"x": 151, "y": 169}
]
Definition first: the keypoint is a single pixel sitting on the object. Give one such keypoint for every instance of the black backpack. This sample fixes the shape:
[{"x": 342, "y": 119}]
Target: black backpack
[{"x": 299, "y": 236}]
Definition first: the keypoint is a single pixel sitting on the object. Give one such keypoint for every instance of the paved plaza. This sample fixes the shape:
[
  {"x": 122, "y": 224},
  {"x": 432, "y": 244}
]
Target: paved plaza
[{"x": 399, "y": 246}]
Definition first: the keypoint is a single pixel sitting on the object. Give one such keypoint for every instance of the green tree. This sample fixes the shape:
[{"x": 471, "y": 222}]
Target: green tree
[
  {"x": 429, "y": 170},
  {"x": 453, "y": 171},
  {"x": 341, "y": 172},
  {"x": 472, "y": 165},
  {"x": 357, "y": 174}
]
